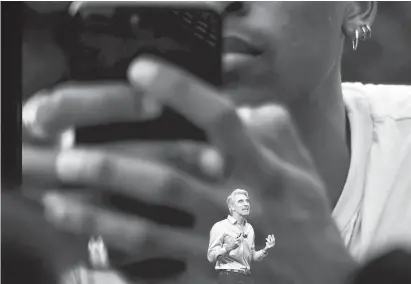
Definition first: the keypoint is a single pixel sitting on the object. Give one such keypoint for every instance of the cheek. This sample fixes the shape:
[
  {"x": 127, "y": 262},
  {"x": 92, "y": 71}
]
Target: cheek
[
  {"x": 306, "y": 46},
  {"x": 306, "y": 64}
]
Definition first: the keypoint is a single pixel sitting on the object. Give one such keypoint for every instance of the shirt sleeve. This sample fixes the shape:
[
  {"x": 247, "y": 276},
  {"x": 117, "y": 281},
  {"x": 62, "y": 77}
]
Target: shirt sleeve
[
  {"x": 215, "y": 247},
  {"x": 257, "y": 255}
]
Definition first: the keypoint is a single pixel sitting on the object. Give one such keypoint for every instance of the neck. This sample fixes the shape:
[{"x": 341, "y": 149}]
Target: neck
[
  {"x": 239, "y": 218},
  {"x": 321, "y": 121}
]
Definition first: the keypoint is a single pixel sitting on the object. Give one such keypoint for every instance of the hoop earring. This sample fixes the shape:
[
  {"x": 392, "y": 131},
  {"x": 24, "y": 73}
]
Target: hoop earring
[
  {"x": 355, "y": 40},
  {"x": 366, "y": 32}
]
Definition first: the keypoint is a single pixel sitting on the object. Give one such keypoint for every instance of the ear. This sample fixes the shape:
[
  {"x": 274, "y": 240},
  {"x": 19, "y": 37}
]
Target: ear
[{"x": 357, "y": 14}]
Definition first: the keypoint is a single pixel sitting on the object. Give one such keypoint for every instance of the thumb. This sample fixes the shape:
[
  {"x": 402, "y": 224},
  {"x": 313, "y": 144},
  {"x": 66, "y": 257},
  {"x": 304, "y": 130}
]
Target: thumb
[{"x": 273, "y": 126}]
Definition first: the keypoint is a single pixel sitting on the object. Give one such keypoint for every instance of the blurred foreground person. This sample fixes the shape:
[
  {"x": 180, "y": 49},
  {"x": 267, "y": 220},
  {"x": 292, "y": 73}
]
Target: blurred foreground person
[{"x": 327, "y": 162}]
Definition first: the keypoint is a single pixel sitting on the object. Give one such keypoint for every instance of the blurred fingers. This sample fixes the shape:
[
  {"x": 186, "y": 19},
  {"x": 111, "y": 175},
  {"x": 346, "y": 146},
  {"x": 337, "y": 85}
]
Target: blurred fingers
[
  {"x": 147, "y": 180},
  {"x": 51, "y": 112},
  {"x": 198, "y": 159},
  {"x": 209, "y": 110},
  {"x": 122, "y": 232}
]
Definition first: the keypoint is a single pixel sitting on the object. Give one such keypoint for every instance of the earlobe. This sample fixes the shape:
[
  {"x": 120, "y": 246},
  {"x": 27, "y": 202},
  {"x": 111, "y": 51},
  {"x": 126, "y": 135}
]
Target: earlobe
[{"x": 358, "y": 14}]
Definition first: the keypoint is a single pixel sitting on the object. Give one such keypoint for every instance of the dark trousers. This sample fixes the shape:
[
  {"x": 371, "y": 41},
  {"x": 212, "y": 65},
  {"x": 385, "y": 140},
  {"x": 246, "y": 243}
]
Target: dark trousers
[{"x": 228, "y": 277}]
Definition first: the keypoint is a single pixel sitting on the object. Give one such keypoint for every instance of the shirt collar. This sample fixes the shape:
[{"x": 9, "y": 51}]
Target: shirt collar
[
  {"x": 361, "y": 126},
  {"x": 233, "y": 221}
]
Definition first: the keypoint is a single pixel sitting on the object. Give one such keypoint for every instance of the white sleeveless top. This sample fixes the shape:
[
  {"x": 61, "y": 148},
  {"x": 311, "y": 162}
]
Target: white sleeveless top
[{"x": 374, "y": 210}]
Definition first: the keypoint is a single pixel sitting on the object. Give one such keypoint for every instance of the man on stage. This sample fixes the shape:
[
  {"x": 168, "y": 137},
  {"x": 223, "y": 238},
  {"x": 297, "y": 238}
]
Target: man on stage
[{"x": 232, "y": 242}]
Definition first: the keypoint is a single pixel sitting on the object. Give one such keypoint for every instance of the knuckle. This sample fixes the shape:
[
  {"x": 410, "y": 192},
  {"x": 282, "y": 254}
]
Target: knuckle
[
  {"x": 229, "y": 114},
  {"x": 229, "y": 124},
  {"x": 276, "y": 112},
  {"x": 133, "y": 236},
  {"x": 68, "y": 213},
  {"x": 100, "y": 167},
  {"x": 183, "y": 153},
  {"x": 61, "y": 97},
  {"x": 173, "y": 188},
  {"x": 78, "y": 166}
]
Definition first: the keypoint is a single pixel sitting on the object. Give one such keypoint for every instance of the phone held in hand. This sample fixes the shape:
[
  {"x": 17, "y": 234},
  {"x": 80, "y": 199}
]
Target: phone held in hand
[
  {"x": 102, "y": 40},
  {"x": 107, "y": 36}
]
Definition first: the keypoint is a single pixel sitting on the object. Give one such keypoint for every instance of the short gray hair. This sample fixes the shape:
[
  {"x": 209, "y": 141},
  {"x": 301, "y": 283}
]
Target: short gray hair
[{"x": 234, "y": 193}]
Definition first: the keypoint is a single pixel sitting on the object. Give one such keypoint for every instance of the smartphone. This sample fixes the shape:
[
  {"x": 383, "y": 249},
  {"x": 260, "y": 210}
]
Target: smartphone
[
  {"x": 102, "y": 38},
  {"x": 107, "y": 36}
]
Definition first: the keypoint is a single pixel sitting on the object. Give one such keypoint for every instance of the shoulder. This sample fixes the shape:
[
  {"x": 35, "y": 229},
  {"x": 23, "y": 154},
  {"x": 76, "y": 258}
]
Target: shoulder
[
  {"x": 219, "y": 225},
  {"x": 249, "y": 227},
  {"x": 383, "y": 101}
]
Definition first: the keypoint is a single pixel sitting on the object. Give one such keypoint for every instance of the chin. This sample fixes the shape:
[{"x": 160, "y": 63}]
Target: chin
[
  {"x": 247, "y": 95},
  {"x": 248, "y": 92}
]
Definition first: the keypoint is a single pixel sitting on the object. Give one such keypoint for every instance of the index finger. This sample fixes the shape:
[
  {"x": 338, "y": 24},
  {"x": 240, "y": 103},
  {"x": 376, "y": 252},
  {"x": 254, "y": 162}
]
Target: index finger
[
  {"x": 79, "y": 104},
  {"x": 204, "y": 106}
]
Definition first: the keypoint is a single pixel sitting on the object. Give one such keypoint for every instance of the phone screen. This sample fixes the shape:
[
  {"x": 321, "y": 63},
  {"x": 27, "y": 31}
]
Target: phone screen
[{"x": 106, "y": 39}]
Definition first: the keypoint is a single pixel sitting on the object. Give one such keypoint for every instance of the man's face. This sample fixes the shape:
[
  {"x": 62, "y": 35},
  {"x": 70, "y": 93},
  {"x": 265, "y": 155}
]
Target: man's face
[
  {"x": 241, "y": 205},
  {"x": 280, "y": 50}
]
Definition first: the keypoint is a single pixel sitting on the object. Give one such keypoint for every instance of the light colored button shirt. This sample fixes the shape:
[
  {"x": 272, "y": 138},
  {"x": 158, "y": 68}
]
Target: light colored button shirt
[
  {"x": 225, "y": 232},
  {"x": 374, "y": 210}
]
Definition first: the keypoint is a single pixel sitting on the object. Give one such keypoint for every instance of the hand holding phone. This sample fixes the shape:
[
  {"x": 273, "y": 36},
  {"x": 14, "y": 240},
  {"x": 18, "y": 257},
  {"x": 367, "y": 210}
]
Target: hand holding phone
[
  {"x": 104, "y": 111},
  {"x": 108, "y": 37}
]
